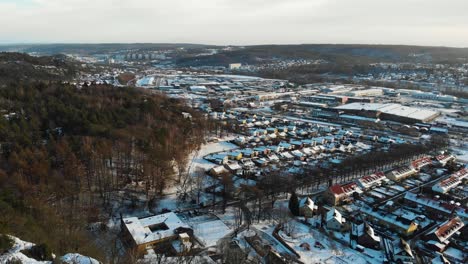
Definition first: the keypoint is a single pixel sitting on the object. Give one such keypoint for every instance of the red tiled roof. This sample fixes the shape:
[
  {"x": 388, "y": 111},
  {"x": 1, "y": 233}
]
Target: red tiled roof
[
  {"x": 442, "y": 157},
  {"x": 447, "y": 229},
  {"x": 460, "y": 173},
  {"x": 449, "y": 181},
  {"x": 341, "y": 189},
  {"x": 336, "y": 189},
  {"x": 373, "y": 177},
  {"x": 421, "y": 162}
]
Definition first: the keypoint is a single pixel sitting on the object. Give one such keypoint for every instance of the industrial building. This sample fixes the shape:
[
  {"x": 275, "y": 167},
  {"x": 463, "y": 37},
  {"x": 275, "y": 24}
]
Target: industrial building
[{"x": 390, "y": 112}]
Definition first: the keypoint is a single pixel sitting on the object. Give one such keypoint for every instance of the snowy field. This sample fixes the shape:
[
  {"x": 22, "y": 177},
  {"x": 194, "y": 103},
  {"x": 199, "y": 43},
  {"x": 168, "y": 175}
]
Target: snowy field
[
  {"x": 146, "y": 81},
  {"x": 196, "y": 157}
]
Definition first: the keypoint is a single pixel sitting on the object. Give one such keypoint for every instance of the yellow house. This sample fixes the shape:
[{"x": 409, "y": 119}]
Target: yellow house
[{"x": 235, "y": 155}]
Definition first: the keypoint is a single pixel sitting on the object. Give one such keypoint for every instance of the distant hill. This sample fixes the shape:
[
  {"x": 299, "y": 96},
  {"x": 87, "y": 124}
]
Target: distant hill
[
  {"x": 90, "y": 49},
  {"x": 22, "y": 67},
  {"x": 188, "y": 54},
  {"x": 354, "y": 54}
]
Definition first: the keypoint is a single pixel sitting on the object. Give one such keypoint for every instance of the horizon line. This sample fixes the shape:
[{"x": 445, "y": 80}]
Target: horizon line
[{"x": 220, "y": 45}]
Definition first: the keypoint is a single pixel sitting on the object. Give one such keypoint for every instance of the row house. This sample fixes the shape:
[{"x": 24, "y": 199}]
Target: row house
[
  {"x": 262, "y": 150},
  {"x": 437, "y": 208},
  {"x": 453, "y": 181},
  {"x": 446, "y": 185},
  {"x": 444, "y": 159},
  {"x": 421, "y": 163},
  {"x": 442, "y": 233},
  {"x": 395, "y": 221},
  {"x": 372, "y": 180},
  {"x": 402, "y": 173},
  {"x": 461, "y": 174}
]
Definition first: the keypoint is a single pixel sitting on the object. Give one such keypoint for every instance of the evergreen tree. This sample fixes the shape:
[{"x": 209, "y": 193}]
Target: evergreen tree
[{"x": 294, "y": 204}]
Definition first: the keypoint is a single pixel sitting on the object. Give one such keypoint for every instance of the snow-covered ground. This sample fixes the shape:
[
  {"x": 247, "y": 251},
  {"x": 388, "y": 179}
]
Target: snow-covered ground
[
  {"x": 196, "y": 161},
  {"x": 196, "y": 158},
  {"x": 74, "y": 258},
  {"x": 146, "y": 81},
  {"x": 332, "y": 251},
  {"x": 15, "y": 254}
]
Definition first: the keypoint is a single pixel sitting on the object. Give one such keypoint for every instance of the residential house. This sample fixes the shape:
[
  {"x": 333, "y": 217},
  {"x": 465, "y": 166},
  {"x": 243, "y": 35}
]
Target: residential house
[
  {"x": 453, "y": 181},
  {"x": 372, "y": 180},
  {"x": 272, "y": 157},
  {"x": 261, "y": 162},
  {"x": 436, "y": 208},
  {"x": 262, "y": 150},
  {"x": 400, "y": 221},
  {"x": 286, "y": 146},
  {"x": 445, "y": 231},
  {"x": 461, "y": 174},
  {"x": 247, "y": 163},
  {"x": 446, "y": 185},
  {"x": 235, "y": 155},
  {"x": 420, "y": 163},
  {"x": 444, "y": 159},
  {"x": 298, "y": 154},
  {"x": 297, "y": 144},
  {"x": 233, "y": 166},
  {"x": 248, "y": 153},
  {"x": 218, "y": 170},
  {"x": 308, "y": 151},
  {"x": 307, "y": 207},
  {"x": 220, "y": 158},
  {"x": 364, "y": 235},
  {"x": 286, "y": 155},
  {"x": 401, "y": 173},
  {"x": 275, "y": 149},
  {"x": 337, "y": 194},
  {"x": 334, "y": 220}
]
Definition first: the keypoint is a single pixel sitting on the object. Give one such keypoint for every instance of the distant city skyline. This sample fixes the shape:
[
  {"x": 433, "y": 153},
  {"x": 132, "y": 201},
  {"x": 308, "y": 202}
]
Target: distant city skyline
[{"x": 236, "y": 22}]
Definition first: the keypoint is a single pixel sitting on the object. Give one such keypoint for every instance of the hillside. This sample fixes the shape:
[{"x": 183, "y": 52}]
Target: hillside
[
  {"x": 21, "y": 67},
  {"x": 355, "y": 54},
  {"x": 89, "y": 49},
  {"x": 68, "y": 154}
]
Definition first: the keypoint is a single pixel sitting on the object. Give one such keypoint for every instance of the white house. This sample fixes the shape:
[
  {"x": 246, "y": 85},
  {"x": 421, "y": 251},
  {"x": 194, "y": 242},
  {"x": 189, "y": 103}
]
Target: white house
[{"x": 334, "y": 220}]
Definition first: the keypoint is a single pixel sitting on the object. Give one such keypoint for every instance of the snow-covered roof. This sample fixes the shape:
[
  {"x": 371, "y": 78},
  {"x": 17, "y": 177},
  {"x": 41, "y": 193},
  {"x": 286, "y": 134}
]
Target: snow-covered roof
[
  {"x": 345, "y": 189},
  {"x": 306, "y": 201},
  {"x": 140, "y": 228},
  {"x": 392, "y": 109},
  {"x": 334, "y": 214},
  {"x": 369, "y": 180}
]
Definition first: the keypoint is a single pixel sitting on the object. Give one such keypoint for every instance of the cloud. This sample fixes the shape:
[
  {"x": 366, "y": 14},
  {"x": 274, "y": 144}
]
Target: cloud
[{"x": 424, "y": 22}]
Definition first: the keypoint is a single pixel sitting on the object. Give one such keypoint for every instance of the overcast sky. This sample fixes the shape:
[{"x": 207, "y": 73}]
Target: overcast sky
[{"x": 242, "y": 22}]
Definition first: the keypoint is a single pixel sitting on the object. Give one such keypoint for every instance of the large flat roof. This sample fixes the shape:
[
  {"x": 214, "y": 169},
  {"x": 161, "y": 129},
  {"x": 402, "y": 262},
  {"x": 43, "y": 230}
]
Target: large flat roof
[
  {"x": 392, "y": 109},
  {"x": 140, "y": 228}
]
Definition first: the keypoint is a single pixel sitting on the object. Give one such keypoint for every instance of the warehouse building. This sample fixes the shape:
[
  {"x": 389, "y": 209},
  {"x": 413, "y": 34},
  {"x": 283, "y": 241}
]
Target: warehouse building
[{"x": 391, "y": 112}]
